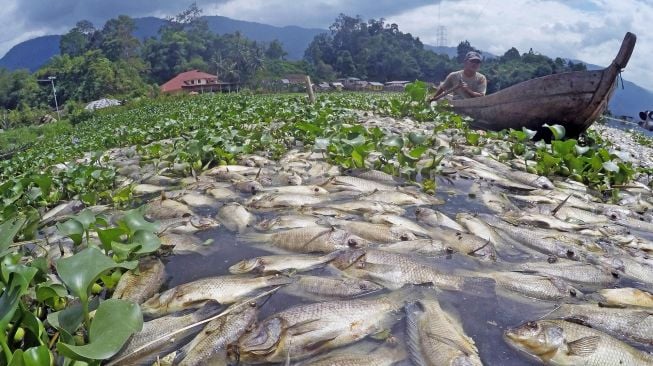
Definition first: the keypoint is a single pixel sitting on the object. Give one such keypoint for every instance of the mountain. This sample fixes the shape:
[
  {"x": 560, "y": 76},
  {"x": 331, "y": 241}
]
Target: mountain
[
  {"x": 31, "y": 54},
  {"x": 34, "y": 53}
]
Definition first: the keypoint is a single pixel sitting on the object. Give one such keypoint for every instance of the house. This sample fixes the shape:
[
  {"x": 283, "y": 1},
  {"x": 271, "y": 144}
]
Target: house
[
  {"x": 295, "y": 79},
  {"x": 337, "y": 85},
  {"x": 396, "y": 85},
  {"x": 196, "y": 81},
  {"x": 323, "y": 86},
  {"x": 374, "y": 86}
]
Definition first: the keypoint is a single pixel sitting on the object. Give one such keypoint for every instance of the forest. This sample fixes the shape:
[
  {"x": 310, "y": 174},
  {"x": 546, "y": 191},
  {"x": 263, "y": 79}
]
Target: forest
[{"x": 111, "y": 62}]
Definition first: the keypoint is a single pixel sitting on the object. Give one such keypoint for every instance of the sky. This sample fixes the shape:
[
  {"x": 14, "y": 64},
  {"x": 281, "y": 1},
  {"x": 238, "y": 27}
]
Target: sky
[{"x": 588, "y": 30}]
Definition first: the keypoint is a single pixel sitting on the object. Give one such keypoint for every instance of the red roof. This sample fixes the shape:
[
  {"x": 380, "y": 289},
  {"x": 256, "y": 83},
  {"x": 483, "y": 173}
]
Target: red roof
[{"x": 185, "y": 78}]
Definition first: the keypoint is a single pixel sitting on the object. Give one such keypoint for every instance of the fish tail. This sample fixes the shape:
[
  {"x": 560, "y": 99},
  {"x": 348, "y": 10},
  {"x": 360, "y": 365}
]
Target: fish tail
[
  {"x": 253, "y": 237},
  {"x": 413, "y": 310}
]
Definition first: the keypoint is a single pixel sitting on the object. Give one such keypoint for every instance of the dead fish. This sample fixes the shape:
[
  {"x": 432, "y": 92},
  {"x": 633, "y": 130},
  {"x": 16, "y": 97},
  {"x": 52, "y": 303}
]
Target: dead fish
[
  {"x": 627, "y": 296},
  {"x": 222, "y": 193},
  {"x": 198, "y": 200},
  {"x": 139, "y": 285},
  {"x": 576, "y": 272},
  {"x": 248, "y": 186},
  {"x": 559, "y": 342},
  {"x": 365, "y": 207},
  {"x": 395, "y": 270},
  {"x": 297, "y": 189},
  {"x": 307, "y": 240},
  {"x": 547, "y": 288},
  {"x": 143, "y": 189},
  {"x": 359, "y": 354},
  {"x": 181, "y": 243},
  {"x": 275, "y": 200},
  {"x": 287, "y": 222},
  {"x": 401, "y": 198},
  {"x": 281, "y": 263},
  {"x": 306, "y": 330},
  {"x": 223, "y": 289},
  {"x": 435, "y": 218},
  {"x": 186, "y": 225},
  {"x": 330, "y": 288},
  {"x": 343, "y": 182},
  {"x": 465, "y": 243},
  {"x": 144, "y": 347},
  {"x": 375, "y": 175},
  {"x": 163, "y": 208},
  {"x": 377, "y": 233},
  {"x": 390, "y": 219},
  {"x": 628, "y": 324},
  {"x": 235, "y": 217},
  {"x": 210, "y": 345},
  {"x": 520, "y": 176},
  {"x": 436, "y": 338},
  {"x": 427, "y": 247}
]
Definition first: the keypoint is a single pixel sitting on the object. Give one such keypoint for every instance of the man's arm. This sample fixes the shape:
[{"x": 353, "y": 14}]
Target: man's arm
[{"x": 445, "y": 88}]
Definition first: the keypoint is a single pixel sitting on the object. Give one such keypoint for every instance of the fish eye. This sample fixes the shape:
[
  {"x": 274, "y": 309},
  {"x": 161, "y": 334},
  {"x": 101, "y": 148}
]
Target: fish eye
[
  {"x": 570, "y": 253},
  {"x": 552, "y": 259},
  {"x": 449, "y": 250},
  {"x": 352, "y": 242},
  {"x": 531, "y": 325},
  {"x": 316, "y": 189},
  {"x": 613, "y": 216},
  {"x": 403, "y": 237},
  {"x": 572, "y": 292}
]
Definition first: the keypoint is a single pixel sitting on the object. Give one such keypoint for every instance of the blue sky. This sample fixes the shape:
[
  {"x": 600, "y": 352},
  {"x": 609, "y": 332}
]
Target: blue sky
[{"x": 588, "y": 30}]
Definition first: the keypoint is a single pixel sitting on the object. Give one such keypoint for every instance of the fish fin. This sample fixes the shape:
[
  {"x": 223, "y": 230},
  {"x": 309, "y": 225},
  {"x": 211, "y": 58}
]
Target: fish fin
[
  {"x": 209, "y": 309},
  {"x": 382, "y": 335},
  {"x": 304, "y": 327},
  {"x": 319, "y": 344},
  {"x": 583, "y": 347}
]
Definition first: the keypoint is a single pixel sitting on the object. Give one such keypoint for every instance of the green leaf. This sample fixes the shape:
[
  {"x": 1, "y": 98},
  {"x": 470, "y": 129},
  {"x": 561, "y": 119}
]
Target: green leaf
[
  {"x": 529, "y": 133},
  {"x": 86, "y": 218},
  {"x": 48, "y": 290},
  {"x": 357, "y": 158},
  {"x": 581, "y": 150},
  {"x": 394, "y": 141},
  {"x": 416, "y": 138},
  {"x": 80, "y": 271},
  {"x": 563, "y": 147},
  {"x": 114, "y": 322},
  {"x": 109, "y": 235},
  {"x": 134, "y": 221},
  {"x": 72, "y": 229},
  {"x": 472, "y": 138},
  {"x": 356, "y": 141},
  {"x": 557, "y": 130},
  {"x": 10, "y": 299},
  {"x": 610, "y": 166},
  {"x": 8, "y": 231},
  {"x": 417, "y": 152},
  {"x": 17, "y": 358},
  {"x": 71, "y": 317}
]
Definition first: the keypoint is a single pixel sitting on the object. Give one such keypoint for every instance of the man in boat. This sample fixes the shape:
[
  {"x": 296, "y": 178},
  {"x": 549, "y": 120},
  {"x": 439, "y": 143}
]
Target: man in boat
[{"x": 465, "y": 83}]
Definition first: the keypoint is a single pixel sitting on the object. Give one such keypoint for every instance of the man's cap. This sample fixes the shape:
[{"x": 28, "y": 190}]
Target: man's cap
[{"x": 472, "y": 55}]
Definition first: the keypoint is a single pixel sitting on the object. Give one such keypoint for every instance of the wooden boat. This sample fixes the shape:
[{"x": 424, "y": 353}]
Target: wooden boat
[{"x": 572, "y": 99}]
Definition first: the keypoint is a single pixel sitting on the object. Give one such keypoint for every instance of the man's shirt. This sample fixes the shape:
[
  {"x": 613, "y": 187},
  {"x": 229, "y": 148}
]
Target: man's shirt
[{"x": 477, "y": 83}]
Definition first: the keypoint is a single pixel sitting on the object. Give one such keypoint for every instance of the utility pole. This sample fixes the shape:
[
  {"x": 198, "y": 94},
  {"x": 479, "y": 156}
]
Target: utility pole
[{"x": 54, "y": 92}]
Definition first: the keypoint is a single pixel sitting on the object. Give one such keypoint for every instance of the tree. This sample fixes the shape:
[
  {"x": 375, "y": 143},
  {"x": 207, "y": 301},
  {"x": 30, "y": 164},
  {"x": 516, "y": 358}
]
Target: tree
[
  {"x": 463, "y": 48},
  {"x": 275, "y": 51},
  {"x": 117, "y": 40},
  {"x": 511, "y": 55},
  {"x": 78, "y": 39}
]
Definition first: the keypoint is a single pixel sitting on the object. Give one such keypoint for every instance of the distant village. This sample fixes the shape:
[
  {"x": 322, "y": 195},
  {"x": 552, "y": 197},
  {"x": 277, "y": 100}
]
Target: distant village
[{"x": 195, "y": 81}]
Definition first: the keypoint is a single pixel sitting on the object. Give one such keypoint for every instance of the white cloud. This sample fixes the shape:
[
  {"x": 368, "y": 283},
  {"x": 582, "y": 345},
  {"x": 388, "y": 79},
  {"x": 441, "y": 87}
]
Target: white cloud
[{"x": 588, "y": 30}]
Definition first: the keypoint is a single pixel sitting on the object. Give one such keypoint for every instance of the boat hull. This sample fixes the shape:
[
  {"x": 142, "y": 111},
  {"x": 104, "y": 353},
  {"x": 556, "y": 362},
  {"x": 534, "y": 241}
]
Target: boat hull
[{"x": 573, "y": 99}]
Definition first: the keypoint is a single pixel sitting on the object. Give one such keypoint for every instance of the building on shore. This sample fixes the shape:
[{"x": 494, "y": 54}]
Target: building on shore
[
  {"x": 198, "y": 82},
  {"x": 397, "y": 85}
]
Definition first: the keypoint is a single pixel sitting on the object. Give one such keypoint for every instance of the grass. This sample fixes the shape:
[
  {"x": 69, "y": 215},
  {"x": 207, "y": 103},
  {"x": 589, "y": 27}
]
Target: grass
[{"x": 21, "y": 136}]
